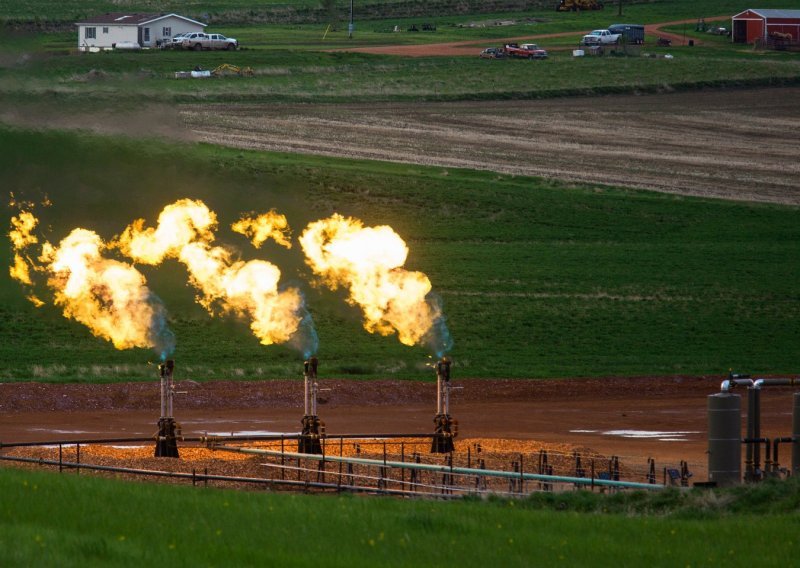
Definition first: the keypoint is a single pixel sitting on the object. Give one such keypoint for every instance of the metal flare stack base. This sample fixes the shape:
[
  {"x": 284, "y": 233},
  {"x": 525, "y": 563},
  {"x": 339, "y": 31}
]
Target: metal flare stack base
[
  {"x": 313, "y": 431},
  {"x": 443, "y": 434},
  {"x": 167, "y": 441}
]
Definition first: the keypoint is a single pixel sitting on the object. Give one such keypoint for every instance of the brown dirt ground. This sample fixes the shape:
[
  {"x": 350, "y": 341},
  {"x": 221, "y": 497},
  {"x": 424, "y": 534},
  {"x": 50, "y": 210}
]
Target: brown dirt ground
[
  {"x": 561, "y": 415},
  {"x": 735, "y": 144}
]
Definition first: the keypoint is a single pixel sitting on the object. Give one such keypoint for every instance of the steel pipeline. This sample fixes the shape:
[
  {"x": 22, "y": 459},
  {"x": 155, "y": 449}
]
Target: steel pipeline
[{"x": 448, "y": 469}]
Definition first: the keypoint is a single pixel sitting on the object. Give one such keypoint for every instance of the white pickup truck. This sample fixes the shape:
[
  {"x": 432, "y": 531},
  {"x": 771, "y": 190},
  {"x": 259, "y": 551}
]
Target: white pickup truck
[
  {"x": 600, "y": 37},
  {"x": 199, "y": 40}
]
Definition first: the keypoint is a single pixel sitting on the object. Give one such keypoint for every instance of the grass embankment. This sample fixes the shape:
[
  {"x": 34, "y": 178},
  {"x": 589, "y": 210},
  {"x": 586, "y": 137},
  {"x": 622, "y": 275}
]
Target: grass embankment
[
  {"x": 49, "y": 519},
  {"x": 538, "y": 278},
  {"x": 129, "y": 78}
]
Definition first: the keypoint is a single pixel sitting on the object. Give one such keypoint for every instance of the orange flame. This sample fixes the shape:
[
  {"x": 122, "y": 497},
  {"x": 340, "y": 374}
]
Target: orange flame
[
  {"x": 185, "y": 232},
  {"x": 269, "y": 225},
  {"x": 107, "y": 296},
  {"x": 368, "y": 261},
  {"x": 22, "y": 237}
]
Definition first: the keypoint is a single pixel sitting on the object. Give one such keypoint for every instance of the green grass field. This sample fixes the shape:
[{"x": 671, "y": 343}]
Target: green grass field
[
  {"x": 64, "y": 520},
  {"x": 538, "y": 278}
]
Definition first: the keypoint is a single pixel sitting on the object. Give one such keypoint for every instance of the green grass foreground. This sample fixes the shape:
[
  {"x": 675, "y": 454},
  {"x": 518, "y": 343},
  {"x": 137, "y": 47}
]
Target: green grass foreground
[
  {"x": 538, "y": 278},
  {"x": 50, "y": 519}
]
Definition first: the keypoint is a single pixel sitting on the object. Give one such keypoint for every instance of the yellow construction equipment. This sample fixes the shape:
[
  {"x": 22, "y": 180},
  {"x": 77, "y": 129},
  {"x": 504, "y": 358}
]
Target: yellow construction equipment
[
  {"x": 576, "y": 5},
  {"x": 226, "y": 69}
]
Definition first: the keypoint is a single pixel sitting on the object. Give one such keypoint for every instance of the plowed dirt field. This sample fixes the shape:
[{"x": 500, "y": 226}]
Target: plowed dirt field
[{"x": 734, "y": 144}]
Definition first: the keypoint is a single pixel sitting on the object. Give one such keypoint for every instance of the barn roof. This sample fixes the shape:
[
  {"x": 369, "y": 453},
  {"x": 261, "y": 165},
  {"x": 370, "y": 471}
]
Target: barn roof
[
  {"x": 128, "y": 19},
  {"x": 779, "y": 14}
]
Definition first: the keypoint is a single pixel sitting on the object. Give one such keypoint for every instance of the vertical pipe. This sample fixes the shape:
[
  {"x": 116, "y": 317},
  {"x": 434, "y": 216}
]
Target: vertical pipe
[
  {"x": 163, "y": 395},
  {"x": 749, "y": 472},
  {"x": 757, "y": 472},
  {"x": 438, "y": 393},
  {"x": 305, "y": 394},
  {"x": 796, "y": 435},
  {"x": 170, "y": 394},
  {"x": 314, "y": 386}
]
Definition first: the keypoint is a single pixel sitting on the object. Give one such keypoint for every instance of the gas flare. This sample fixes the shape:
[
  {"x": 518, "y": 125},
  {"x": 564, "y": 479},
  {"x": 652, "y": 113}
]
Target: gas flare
[
  {"x": 185, "y": 232},
  {"x": 368, "y": 262},
  {"x": 109, "y": 297},
  {"x": 22, "y": 237},
  {"x": 269, "y": 225}
]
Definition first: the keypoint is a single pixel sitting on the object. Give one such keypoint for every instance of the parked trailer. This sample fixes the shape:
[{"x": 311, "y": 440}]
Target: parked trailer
[{"x": 631, "y": 33}]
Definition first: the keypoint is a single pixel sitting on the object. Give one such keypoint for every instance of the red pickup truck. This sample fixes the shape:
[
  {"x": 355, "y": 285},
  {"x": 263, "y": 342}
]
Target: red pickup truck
[{"x": 526, "y": 51}]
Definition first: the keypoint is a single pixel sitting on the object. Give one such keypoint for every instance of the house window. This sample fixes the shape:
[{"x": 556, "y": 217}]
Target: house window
[
  {"x": 147, "y": 35},
  {"x": 105, "y": 30},
  {"x": 90, "y": 33},
  {"x": 166, "y": 32}
]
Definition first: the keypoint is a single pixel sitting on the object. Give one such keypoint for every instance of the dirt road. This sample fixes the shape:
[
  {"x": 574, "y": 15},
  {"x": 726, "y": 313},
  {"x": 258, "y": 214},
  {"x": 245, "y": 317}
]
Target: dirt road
[
  {"x": 472, "y": 47},
  {"x": 733, "y": 144}
]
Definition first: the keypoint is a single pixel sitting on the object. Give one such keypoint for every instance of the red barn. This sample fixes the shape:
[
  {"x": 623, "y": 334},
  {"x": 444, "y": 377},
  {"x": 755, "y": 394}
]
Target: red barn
[{"x": 753, "y": 24}]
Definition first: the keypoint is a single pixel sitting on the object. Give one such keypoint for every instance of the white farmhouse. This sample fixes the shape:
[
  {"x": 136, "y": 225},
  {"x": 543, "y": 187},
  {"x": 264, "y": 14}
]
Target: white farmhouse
[{"x": 144, "y": 30}]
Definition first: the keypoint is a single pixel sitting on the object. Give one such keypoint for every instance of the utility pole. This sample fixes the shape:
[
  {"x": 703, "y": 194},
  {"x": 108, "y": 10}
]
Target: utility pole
[{"x": 351, "y": 26}]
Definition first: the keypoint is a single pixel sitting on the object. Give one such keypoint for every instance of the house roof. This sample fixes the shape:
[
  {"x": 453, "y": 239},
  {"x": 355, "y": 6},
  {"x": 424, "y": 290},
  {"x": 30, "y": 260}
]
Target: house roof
[
  {"x": 128, "y": 19},
  {"x": 779, "y": 14}
]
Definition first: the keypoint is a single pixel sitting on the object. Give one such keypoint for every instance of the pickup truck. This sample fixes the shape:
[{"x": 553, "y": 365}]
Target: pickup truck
[
  {"x": 600, "y": 37},
  {"x": 198, "y": 41},
  {"x": 526, "y": 50}
]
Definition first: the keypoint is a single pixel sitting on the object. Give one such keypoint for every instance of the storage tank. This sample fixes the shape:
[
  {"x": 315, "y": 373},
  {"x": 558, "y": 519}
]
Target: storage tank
[{"x": 724, "y": 438}]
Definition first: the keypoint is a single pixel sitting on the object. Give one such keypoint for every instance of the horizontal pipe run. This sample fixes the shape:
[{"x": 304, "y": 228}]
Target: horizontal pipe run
[
  {"x": 211, "y": 477},
  {"x": 449, "y": 469},
  {"x": 204, "y": 439},
  {"x": 75, "y": 442},
  {"x": 416, "y": 484},
  {"x": 780, "y": 382},
  {"x": 327, "y": 437},
  {"x": 728, "y": 384}
]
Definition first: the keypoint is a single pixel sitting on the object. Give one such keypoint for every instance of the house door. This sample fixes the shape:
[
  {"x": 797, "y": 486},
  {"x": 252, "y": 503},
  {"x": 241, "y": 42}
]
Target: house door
[
  {"x": 146, "y": 36},
  {"x": 740, "y": 31}
]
